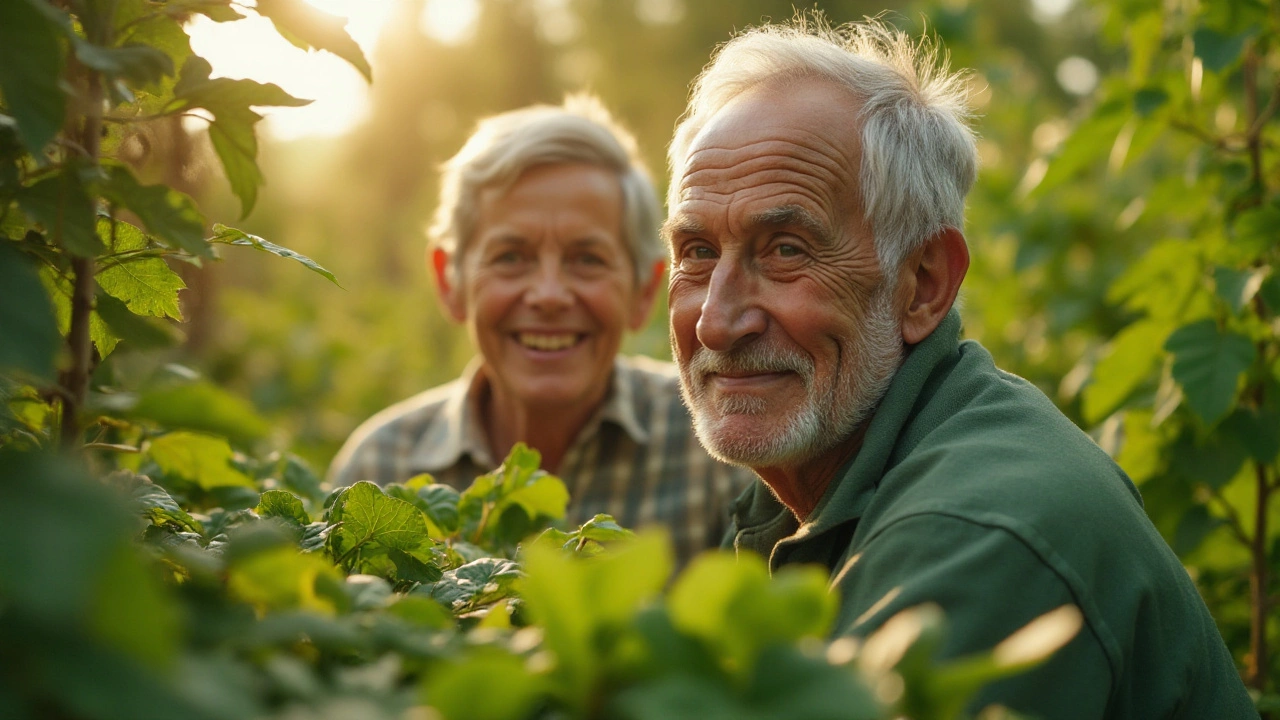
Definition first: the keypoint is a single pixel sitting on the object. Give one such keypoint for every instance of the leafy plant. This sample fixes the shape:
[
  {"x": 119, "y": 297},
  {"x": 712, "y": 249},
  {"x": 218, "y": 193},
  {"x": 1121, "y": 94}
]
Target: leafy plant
[{"x": 1187, "y": 393}]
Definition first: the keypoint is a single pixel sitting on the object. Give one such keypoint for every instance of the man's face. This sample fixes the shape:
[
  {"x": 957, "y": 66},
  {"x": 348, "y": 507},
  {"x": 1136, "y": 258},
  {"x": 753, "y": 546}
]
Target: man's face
[
  {"x": 547, "y": 287},
  {"x": 785, "y": 335}
]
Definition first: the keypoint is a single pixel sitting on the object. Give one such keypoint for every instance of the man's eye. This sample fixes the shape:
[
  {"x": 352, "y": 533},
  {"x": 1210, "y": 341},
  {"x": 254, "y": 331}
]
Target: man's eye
[
  {"x": 701, "y": 252},
  {"x": 786, "y": 250}
]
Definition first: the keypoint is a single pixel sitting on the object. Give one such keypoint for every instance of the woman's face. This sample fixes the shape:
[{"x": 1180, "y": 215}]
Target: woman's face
[{"x": 547, "y": 287}]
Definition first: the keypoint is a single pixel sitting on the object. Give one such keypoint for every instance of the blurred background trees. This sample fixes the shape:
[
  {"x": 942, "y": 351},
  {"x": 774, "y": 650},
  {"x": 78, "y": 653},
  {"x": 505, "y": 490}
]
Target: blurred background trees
[{"x": 1127, "y": 157}]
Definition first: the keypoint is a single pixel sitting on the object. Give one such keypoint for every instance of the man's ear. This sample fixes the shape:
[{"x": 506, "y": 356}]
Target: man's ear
[
  {"x": 647, "y": 291},
  {"x": 450, "y": 290},
  {"x": 930, "y": 278}
]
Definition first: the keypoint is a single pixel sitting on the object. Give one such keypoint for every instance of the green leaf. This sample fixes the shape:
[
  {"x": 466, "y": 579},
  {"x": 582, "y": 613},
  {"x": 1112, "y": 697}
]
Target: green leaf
[
  {"x": 487, "y": 683},
  {"x": 27, "y": 321},
  {"x": 1193, "y": 528},
  {"x": 232, "y": 130},
  {"x": 30, "y": 68},
  {"x": 371, "y": 516},
  {"x": 203, "y": 459},
  {"x": 232, "y": 236},
  {"x": 307, "y": 27},
  {"x": 1257, "y": 430},
  {"x": 1161, "y": 281},
  {"x": 1134, "y": 353},
  {"x": 147, "y": 285},
  {"x": 153, "y": 502},
  {"x": 733, "y": 604},
  {"x": 201, "y": 406},
  {"x": 62, "y": 205},
  {"x": 1212, "y": 461},
  {"x": 1218, "y": 51},
  {"x": 475, "y": 584},
  {"x": 1256, "y": 231},
  {"x": 1237, "y": 287},
  {"x": 1143, "y": 453},
  {"x": 139, "y": 332},
  {"x": 215, "y": 10},
  {"x": 1270, "y": 293},
  {"x": 281, "y": 504},
  {"x": 1089, "y": 143},
  {"x": 1148, "y": 100},
  {"x": 59, "y": 289},
  {"x": 281, "y": 578},
  {"x": 169, "y": 215},
  {"x": 132, "y": 611},
  {"x": 1208, "y": 363},
  {"x": 544, "y": 496},
  {"x": 139, "y": 64}
]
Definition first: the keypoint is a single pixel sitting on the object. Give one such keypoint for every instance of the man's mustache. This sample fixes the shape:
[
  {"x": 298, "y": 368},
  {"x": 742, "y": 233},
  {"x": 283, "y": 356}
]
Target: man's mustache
[{"x": 752, "y": 358}]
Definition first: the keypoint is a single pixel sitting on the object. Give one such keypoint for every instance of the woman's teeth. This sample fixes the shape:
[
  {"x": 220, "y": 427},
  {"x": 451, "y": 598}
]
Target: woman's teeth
[{"x": 540, "y": 341}]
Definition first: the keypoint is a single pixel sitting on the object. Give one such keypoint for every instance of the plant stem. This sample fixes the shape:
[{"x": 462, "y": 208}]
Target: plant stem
[
  {"x": 76, "y": 378},
  {"x": 1260, "y": 599}
]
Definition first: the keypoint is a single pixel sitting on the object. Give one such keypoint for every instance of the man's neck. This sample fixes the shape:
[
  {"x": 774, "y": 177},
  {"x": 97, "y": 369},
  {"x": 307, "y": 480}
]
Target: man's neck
[{"x": 801, "y": 486}]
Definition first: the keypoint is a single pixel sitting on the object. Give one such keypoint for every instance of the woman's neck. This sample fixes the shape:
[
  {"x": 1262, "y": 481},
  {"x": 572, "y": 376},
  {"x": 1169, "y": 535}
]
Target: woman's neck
[{"x": 550, "y": 429}]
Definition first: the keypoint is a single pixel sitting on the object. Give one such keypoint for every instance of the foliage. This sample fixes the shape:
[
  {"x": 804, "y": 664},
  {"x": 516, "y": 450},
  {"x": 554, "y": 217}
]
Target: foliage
[
  {"x": 119, "y": 602},
  {"x": 1186, "y": 392}
]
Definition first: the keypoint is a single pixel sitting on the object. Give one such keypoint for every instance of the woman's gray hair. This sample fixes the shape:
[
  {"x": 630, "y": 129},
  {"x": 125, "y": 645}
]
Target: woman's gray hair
[
  {"x": 919, "y": 157},
  {"x": 504, "y": 146}
]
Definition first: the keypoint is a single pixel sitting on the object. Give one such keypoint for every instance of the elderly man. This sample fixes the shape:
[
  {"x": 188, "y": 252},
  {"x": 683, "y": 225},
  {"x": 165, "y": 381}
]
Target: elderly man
[
  {"x": 816, "y": 207},
  {"x": 545, "y": 245}
]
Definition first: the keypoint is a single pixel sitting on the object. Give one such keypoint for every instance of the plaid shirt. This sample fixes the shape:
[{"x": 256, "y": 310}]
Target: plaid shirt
[{"x": 636, "y": 458}]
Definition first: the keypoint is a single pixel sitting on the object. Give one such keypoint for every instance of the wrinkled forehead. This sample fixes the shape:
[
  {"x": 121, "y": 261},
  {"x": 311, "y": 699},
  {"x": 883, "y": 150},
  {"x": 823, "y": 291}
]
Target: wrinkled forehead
[{"x": 782, "y": 143}]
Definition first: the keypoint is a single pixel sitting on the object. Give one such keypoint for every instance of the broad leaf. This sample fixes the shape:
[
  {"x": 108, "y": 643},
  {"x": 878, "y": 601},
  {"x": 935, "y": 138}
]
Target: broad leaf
[
  {"x": 62, "y": 205},
  {"x": 201, "y": 406},
  {"x": 139, "y": 332},
  {"x": 27, "y": 321},
  {"x": 203, "y": 459},
  {"x": 232, "y": 236},
  {"x": 232, "y": 130},
  {"x": 1134, "y": 353},
  {"x": 147, "y": 285},
  {"x": 487, "y": 683},
  {"x": 30, "y": 69},
  {"x": 59, "y": 290},
  {"x": 368, "y": 515},
  {"x": 169, "y": 215},
  {"x": 282, "y": 578},
  {"x": 1208, "y": 363},
  {"x": 476, "y": 583},
  {"x": 1238, "y": 287},
  {"x": 1088, "y": 144},
  {"x": 139, "y": 64},
  {"x": 153, "y": 502},
  {"x": 281, "y": 504},
  {"x": 1216, "y": 50},
  {"x": 1257, "y": 430},
  {"x": 307, "y": 27}
]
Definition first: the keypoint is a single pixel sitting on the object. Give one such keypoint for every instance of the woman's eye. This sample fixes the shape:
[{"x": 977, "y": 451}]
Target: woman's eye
[
  {"x": 591, "y": 259},
  {"x": 506, "y": 258}
]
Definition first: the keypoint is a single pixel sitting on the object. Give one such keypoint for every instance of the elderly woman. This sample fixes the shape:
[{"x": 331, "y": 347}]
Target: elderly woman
[{"x": 545, "y": 244}]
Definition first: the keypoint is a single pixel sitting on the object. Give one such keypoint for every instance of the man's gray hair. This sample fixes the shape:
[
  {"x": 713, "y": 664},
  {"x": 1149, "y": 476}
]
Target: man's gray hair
[
  {"x": 919, "y": 157},
  {"x": 504, "y": 146}
]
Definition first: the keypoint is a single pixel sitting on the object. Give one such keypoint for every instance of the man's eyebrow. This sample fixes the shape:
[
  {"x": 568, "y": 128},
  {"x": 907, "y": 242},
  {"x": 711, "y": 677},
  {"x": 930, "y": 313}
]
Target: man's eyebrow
[
  {"x": 792, "y": 216},
  {"x": 681, "y": 225}
]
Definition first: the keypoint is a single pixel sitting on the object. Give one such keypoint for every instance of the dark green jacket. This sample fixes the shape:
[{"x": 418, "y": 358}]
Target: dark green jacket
[{"x": 971, "y": 490}]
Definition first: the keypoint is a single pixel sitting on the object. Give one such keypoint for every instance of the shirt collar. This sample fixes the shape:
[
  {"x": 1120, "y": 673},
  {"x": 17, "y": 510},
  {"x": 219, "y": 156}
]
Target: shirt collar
[{"x": 457, "y": 430}]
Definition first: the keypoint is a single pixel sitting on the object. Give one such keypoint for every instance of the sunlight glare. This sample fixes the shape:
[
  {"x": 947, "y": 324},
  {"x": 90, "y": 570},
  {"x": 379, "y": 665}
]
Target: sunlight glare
[
  {"x": 451, "y": 22},
  {"x": 252, "y": 49}
]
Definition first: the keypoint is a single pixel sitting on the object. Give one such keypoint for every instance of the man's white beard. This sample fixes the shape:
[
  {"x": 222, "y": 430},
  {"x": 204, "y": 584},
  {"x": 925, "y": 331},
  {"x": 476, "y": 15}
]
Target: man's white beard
[{"x": 829, "y": 414}]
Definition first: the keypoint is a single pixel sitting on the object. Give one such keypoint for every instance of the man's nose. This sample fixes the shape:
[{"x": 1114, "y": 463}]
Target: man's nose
[
  {"x": 730, "y": 312},
  {"x": 549, "y": 290}
]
